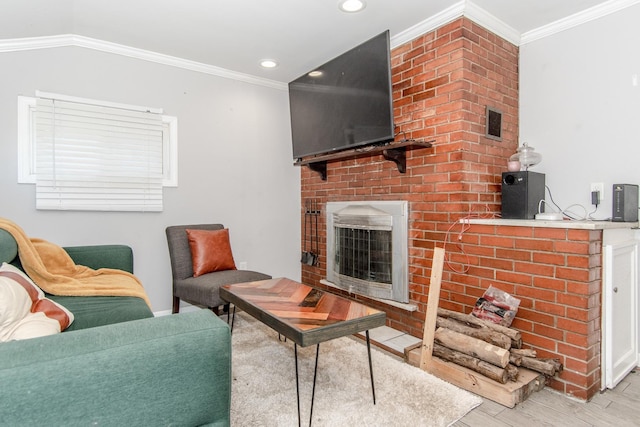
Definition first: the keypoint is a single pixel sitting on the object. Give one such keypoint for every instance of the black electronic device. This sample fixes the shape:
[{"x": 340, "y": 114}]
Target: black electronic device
[
  {"x": 345, "y": 103},
  {"x": 625, "y": 203},
  {"x": 521, "y": 194}
]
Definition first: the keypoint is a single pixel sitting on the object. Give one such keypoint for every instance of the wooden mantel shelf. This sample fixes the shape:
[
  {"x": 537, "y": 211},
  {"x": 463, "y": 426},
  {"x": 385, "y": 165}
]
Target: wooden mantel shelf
[{"x": 394, "y": 151}]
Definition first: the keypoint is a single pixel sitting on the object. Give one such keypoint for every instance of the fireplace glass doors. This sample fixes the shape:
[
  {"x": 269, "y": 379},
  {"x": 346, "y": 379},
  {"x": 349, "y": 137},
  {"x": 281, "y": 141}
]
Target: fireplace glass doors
[{"x": 364, "y": 254}]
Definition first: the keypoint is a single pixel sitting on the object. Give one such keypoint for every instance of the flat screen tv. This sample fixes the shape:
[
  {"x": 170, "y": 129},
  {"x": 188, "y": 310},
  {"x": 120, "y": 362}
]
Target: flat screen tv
[{"x": 345, "y": 103}]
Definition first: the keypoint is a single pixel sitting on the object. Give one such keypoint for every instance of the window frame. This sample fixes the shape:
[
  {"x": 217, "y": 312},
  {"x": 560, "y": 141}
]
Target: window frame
[{"x": 26, "y": 142}]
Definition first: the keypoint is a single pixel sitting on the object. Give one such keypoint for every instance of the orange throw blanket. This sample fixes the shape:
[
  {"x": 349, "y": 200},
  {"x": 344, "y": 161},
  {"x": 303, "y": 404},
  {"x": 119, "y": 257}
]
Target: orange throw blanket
[{"x": 53, "y": 270}]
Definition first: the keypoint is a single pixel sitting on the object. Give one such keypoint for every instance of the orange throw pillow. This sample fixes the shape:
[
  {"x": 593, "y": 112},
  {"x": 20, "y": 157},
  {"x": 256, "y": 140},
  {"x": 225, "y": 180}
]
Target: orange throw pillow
[{"x": 210, "y": 251}]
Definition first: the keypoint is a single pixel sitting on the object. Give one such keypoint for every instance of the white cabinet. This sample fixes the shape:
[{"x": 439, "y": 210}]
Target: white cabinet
[{"x": 619, "y": 306}]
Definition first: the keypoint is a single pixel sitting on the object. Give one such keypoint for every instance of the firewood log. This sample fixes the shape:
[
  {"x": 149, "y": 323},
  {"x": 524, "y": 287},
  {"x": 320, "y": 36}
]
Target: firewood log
[
  {"x": 466, "y": 318},
  {"x": 539, "y": 365},
  {"x": 524, "y": 352},
  {"x": 516, "y": 337},
  {"x": 555, "y": 362},
  {"x": 472, "y": 346},
  {"x": 512, "y": 372},
  {"x": 487, "y": 369},
  {"x": 515, "y": 359},
  {"x": 484, "y": 334}
]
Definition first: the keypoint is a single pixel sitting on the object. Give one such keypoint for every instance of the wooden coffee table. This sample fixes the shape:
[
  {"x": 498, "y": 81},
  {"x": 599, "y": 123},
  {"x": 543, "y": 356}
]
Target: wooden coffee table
[{"x": 305, "y": 315}]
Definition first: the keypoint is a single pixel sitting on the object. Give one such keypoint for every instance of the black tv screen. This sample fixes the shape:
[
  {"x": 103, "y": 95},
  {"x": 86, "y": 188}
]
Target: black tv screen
[{"x": 345, "y": 103}]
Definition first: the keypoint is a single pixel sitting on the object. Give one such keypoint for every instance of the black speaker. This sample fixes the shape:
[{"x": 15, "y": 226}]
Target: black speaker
[
  {"x": 521, "y": 194},
  {"x": 625, "y": 203}
]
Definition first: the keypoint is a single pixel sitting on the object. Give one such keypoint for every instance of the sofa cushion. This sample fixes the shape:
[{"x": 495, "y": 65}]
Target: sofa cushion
[
  {"x": 210, "y": 251},
  {"x": 118, "y": 257},
  {"x": 95, "y": 311},
  {"x": 8, "y": 247},
  {"x": 25, "y": 312}
]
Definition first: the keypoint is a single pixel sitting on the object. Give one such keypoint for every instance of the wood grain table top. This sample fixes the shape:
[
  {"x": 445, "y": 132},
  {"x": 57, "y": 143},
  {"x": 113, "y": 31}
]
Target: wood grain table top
[{"x": 301, "y": 313}]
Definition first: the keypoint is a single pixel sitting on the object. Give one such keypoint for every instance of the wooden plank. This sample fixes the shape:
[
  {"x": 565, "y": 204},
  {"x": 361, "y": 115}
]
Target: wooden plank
[
  {"x": 432, "y": 308},
  {"x": 509, "y": 394},
  {"x": 350, "y": 153}
]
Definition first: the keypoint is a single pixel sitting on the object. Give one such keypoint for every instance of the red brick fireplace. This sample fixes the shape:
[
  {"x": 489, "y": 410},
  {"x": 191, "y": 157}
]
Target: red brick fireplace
[{"x": 443, "y": 82}]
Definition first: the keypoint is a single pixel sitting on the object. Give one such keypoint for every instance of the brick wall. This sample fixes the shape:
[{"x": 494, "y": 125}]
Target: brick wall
[
  {"x": 442, "y": 83},
  {"x": 556, "y": 273}
]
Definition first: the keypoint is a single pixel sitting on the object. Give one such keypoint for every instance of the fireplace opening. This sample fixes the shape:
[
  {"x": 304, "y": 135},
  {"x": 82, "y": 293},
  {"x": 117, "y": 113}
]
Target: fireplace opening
[
  {"x": 364, "y": 254},
  {"x": 367, "y": 248}
]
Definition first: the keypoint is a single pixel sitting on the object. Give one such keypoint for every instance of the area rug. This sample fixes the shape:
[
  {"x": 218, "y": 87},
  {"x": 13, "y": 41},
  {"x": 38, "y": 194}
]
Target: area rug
[{"x": 264, "y": 385}]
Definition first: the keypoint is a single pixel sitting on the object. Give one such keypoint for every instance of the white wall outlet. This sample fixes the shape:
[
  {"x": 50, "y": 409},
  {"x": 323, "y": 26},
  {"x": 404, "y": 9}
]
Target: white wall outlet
[
  {"x": 242, "y": 265},
  {"x": 598, "y": 186}
]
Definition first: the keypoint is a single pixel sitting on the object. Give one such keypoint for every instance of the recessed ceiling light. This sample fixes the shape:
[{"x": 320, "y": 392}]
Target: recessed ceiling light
[
  {"x": 351, "y": 6},
  {"x": 269, "y": 63},
  {"x": 315, "y": 73}
]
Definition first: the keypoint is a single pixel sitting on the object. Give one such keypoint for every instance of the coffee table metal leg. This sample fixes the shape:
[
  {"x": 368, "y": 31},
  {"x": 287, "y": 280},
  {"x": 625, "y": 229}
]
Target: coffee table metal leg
[
  {"x": 233, "y": 317},
  {"x": 313, "y": 392},
  {"x": 373, "y": 387},
  {"x": 295, "y": 352}
]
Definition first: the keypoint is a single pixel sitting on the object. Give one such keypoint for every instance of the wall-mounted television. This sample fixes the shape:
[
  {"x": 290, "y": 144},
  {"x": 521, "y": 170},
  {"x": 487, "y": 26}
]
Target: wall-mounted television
[{"x": 345, "y": 103}]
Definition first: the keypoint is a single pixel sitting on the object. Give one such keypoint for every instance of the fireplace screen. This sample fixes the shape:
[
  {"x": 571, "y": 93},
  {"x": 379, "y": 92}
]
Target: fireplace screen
[{"x": 364, "y": 254}]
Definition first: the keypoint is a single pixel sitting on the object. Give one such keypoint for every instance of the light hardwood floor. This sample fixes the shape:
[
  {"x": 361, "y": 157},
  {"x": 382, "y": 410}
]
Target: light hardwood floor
[{"x": 618, "y": 407}]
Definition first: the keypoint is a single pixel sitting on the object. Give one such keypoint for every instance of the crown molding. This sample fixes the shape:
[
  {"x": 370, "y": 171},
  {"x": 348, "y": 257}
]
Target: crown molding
[
  {"x": 428, "y": 25},
  {"x": 469, "y": 9},
  {"x": 466, "y": 8},
  {"x": 31, "y": 43},
  {"x": 574, "y": 20},
  {"x": 65, "y": 40},
  {"x": 491, "y": 23}
]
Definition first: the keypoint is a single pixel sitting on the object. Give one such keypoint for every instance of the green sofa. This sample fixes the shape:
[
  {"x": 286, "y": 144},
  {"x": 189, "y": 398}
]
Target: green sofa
[{"x": 117, "y": 365}]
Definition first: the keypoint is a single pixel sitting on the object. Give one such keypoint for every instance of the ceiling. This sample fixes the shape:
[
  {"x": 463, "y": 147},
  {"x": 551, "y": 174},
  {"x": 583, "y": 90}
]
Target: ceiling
[{"x": 235, "y": 35}]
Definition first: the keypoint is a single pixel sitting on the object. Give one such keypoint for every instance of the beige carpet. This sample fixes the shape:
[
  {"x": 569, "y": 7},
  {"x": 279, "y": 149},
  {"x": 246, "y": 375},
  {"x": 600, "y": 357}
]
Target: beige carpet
[{"x": 264, "y": 390}]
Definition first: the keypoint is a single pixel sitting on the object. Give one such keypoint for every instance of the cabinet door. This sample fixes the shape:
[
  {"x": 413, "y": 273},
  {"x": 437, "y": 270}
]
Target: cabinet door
[{"x": 620, "y": 340}]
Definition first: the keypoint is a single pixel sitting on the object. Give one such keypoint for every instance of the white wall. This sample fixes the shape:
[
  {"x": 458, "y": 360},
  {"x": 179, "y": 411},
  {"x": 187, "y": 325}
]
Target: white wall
[
  {"x": 235, "y": 161},
  {"x": 579, "y": 109}
]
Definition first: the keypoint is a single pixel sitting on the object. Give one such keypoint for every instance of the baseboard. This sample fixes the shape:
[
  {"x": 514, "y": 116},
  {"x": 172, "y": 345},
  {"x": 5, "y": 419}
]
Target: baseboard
[{"x": 183, "y": 309}]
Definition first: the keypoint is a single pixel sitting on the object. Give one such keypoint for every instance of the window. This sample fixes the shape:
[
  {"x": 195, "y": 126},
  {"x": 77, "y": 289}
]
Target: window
[{"x": 91, "y": 155}]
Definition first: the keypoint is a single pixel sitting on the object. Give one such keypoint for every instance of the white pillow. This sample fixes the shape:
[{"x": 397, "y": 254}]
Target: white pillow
[{"x": 24, "y": 310}]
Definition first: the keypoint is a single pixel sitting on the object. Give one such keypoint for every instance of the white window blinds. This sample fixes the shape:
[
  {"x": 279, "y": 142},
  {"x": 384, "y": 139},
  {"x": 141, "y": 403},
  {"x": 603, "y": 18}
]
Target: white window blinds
[{"x": 97, "y": 157}]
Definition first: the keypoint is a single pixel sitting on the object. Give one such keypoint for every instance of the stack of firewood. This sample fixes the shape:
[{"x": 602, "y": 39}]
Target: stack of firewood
[{"x": 485, "y": 347}]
